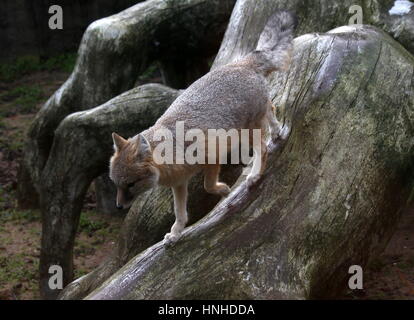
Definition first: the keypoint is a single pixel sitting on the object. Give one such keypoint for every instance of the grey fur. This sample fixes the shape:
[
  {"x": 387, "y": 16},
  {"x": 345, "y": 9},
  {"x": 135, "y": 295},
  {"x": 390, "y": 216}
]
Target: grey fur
[
  {"x": 234, "y": 96},
  {"x": 275, "y": 43}
]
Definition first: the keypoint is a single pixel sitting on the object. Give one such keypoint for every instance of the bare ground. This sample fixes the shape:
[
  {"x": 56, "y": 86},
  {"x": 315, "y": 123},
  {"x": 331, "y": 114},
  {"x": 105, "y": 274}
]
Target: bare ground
[
  {"x": 391, "y": 275},
  {"x": 20, "y": 230}
]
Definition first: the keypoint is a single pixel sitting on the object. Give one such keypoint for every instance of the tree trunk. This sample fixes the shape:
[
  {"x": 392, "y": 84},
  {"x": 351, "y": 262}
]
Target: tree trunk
[
  {"x": 149, "y": 219},
  {"x": 80, "y": 153},
  {"x": 113, "y": 53},
  {"x": 126, "y": 44},
  {"x": 330, "y": 197},
  {"x": 324, "y": 202},
  {"x": 314, "y": 16}
]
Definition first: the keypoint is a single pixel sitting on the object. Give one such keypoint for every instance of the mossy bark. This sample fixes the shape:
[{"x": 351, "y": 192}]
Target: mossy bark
[
  {"x": 146, "y": 223},
  {"x": 313, "y": 16},
  {"x": 80, "y": 152},
  {"x": 114, "y": 51},
  {"x": 325, "y": 200},
  {"x": 331, "y": 194}
]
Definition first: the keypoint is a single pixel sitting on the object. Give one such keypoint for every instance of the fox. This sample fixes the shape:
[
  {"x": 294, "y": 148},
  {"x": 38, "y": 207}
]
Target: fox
[{"x": 233, "y": 96}]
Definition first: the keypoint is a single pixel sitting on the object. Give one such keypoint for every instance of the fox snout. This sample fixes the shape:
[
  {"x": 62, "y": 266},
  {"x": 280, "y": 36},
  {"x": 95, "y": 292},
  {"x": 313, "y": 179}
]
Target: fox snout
[
  {"x": 131, "y": 169},
  {"x": 123, "y": 199}
]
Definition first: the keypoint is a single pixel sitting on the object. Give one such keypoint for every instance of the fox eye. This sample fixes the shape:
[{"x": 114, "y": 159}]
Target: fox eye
[{"x": 130, "y": 185}]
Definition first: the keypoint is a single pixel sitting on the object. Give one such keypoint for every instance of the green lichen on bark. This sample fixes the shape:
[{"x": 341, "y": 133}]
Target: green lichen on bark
[{"x": 325, "y": 201}]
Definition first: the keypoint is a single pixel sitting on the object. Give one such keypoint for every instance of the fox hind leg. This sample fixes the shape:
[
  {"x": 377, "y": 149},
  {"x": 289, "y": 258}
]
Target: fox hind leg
[
  {"x": 259, "y": 160},
  {"x": 276, "y": 128},
  {"x": 274, "y": 125},
  {"x": 211, "y": 184}
]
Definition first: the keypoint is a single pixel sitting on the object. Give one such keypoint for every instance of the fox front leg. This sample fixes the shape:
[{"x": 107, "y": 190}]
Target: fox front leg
[{"x": 181, "y": 218}]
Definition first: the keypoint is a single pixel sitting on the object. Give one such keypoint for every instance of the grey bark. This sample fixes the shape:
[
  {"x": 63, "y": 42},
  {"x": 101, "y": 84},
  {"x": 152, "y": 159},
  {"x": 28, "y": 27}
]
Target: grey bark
[
  {"x": 113, "y": 53},
  {"x": 330, "y": 197},
  {"x": 314, "y": 16},
  {"x": 146, "y": 223},
  {"x": 240, "y": 38},
  {"x": 126, "y": 44},
  {"x": 81, "y": 151},
  {"x": 399, "y": 26},
  {"x": 302, "y": 190}
]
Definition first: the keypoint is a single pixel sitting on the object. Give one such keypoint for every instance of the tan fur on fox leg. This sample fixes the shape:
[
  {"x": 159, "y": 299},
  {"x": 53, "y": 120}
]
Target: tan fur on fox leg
[
  {"x": 211, "y": 184},
  {"x": 181, "y": 218}
]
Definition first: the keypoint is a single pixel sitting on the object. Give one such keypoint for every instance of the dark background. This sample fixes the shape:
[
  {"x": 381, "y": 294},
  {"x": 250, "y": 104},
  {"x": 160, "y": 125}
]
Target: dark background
[{"x": 24, "y": 28}]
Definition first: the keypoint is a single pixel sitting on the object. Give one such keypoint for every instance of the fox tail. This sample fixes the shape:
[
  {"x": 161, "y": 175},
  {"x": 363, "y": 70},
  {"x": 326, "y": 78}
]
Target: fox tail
[{"x": 274, "y": 49}]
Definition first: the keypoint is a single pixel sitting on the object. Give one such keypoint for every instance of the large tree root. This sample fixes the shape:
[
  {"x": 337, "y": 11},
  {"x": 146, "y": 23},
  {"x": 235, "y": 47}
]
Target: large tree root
[
  {"x": 79, "y": 154},
  {"x": 306, "y": 188},
  {"x": 114, "y": 51},
  {"x": 330, "y": 197},
  {"x": 147, "y": 222}
]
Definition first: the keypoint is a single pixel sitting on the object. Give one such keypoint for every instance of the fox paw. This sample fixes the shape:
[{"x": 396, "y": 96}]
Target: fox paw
[
  {"x": 222, "y": 189},
  {"x": 274, "y": 135},
  {"x": 252, "y": 180},
  {"x": 284, "y": 132},
  {"x": 281, "y": 133},
  {"x": 171, "y": 238}
]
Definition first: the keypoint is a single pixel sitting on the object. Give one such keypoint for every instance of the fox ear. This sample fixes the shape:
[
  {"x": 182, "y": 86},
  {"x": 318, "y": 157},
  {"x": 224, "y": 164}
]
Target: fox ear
[
  {"x": 144, "y": 147},
  {"x": 119, "y": 142}
]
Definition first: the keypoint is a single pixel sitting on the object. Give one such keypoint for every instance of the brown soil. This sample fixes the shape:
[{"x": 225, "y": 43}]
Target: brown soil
[
  {"x": 20, "y": 231},
  {"x": 391, "y": 275}
]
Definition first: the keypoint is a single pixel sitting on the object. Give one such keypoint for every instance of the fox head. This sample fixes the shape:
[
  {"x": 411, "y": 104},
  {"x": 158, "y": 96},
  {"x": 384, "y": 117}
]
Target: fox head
[{"x": 132, "y": 169}]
